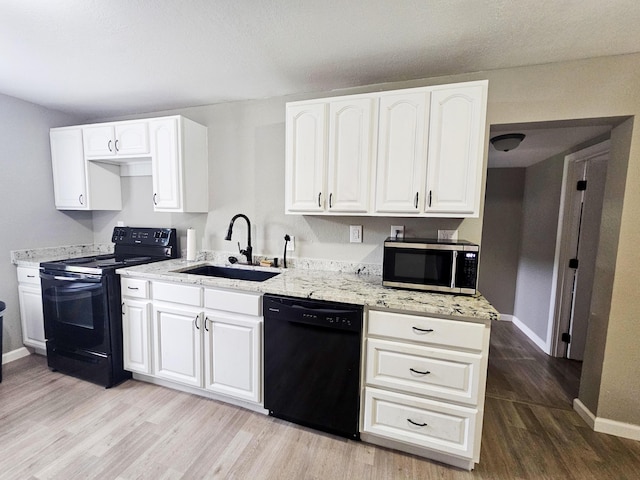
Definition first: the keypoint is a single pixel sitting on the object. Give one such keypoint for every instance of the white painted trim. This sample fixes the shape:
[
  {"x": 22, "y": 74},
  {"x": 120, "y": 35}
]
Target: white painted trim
[
  {"x": 561, "y": 257},
  {"x": 15, "y": 355},
  {"x": 505, "y": 317},
  {"x": 544, "y": 346},
  {"x": 605, "y": 425}
]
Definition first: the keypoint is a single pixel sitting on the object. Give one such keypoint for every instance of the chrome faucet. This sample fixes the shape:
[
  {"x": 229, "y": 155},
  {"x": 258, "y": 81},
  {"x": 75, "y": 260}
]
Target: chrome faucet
[{"x": 248, "y": 251}]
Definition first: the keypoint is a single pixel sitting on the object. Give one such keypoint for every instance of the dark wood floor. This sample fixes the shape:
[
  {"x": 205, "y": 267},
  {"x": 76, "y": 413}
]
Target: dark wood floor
[{"x": 54, "y": 426}]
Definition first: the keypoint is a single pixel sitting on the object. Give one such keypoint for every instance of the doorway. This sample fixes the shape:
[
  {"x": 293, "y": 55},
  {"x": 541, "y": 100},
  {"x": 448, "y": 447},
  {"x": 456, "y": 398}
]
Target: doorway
[{"x": 577, "y": 241}]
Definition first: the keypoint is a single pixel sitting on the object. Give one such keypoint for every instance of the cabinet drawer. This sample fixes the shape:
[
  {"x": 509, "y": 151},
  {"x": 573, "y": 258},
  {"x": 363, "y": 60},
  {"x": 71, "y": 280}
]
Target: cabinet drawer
[
  {"x": 415, "y": 369},
  {"x": 29, "y": 275},
  {"x": 238, "y": 302},
  {"x": 427, "y": 330},
  {"x": 135, "y": 288},
  {"x": 176, "y": 293},
  {"x": 424, "y": 423}
]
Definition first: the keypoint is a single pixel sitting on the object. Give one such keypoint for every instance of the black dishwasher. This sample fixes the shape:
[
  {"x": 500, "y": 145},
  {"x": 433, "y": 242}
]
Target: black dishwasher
[{"x": 312, "y": 363}]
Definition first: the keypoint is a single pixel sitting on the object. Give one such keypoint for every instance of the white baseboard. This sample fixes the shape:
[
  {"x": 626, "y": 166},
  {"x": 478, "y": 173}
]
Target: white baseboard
[
  {"x": 605, "y": 425},
  {"x": 505, "y": 317},
  {"x": 15, "y": 355},
  {"x": 542, "y": 344}
]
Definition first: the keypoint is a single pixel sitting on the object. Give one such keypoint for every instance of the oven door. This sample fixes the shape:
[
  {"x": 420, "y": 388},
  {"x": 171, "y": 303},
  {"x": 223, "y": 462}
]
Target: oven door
[
  {"x": 419, "y": 268},
  {"x": 76, "y": 313}
]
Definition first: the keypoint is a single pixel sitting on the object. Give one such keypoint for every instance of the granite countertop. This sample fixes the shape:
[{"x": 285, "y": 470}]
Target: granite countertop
[
  {"x": 335, "y": 286},
  {"x": 33, "y": 257}
]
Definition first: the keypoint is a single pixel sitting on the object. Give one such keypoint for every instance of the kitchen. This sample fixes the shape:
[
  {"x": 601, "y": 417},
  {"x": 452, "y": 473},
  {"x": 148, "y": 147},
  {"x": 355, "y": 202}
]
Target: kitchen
[{"x": 250, "y": 136}]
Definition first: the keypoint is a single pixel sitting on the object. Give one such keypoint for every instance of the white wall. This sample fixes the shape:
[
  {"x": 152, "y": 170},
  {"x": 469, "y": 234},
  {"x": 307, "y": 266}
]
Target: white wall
[{"x": 28, "y": 215}]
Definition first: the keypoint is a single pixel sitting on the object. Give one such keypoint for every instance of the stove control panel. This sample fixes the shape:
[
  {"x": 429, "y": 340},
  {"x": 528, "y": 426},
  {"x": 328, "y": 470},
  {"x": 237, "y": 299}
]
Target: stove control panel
[{"x": 144, "y": 236}]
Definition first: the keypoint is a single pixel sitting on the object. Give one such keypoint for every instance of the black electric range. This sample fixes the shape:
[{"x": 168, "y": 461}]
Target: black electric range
[{"x": 82, "y": 304}]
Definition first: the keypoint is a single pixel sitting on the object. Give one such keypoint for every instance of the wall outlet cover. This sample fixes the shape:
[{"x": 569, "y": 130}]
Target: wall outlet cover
[
  {"x": 291, "y": 245},
  {"x": 355, "y": 233},
  {"x": 448, "y": 235},
  {"x": 397, "y": 231}
]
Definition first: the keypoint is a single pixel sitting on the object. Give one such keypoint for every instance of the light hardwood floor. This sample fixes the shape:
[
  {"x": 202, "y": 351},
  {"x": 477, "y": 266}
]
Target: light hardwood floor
[{"x": 54, "y": 426}]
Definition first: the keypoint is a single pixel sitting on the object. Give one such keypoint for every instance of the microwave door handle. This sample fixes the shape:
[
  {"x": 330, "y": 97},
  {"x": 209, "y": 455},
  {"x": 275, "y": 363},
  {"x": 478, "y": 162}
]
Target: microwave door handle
[{"x": 453, "y": 269}]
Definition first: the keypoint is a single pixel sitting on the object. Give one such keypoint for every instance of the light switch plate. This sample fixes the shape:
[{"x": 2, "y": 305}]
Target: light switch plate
[
  {"x": 355, "y": 233},
  {"x": 448, "y": 235}
]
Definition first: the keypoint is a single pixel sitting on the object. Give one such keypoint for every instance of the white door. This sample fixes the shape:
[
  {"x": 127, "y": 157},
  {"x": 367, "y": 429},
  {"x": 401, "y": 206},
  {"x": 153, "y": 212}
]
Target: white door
[
  {"x": 178, "y": 344},
  {"x": 402, "y": 152},
  {"x": 99, "y": 141},
  {"x": 233, "y": 355},
  {"x": 305, "y": 163},
  {"x": 136, "y": 335},
  {"x": 30, "y": 298},
  {"x": 351, "y": 134},
  {"x": 166, "y": 164},
  {"x": 583, "y": 193},
  {"x": 456, "y": 150},
  {"x": 69, "y": 172},
  {"x": 132, "y": 138}
]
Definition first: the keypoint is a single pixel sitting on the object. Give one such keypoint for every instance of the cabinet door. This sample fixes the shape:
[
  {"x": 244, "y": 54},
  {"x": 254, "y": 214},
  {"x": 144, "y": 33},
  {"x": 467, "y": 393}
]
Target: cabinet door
[
  {"x": 305, "y": 165},
  {"x": 132, "y": 138},
  {"x": 166, "y": 164},
  {"x": 351, "y": 132},
  {"x": 402, "y": 152},
  {"x": 456, "y": 150},
  {"x": 30, "y": 298},
  {"x": 99, "y": 141},
  {"x": 233, "y": 355},
  {"x": 136, "y": 335},
  {"x": 178, "y": 344},
  {"x": 69, "y": 173}
]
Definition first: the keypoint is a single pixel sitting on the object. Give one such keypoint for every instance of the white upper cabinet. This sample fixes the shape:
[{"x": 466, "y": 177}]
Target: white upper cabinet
[
  {"x": 426, "y": 146},
  {"x": 351, "y": 134},
  {"x": 456, "y": 149},
  {"x": 89, "y": 159},
  {"x": 328, "y": 157},
  {"x": 402, "y": 150},
  {"x": 305, "y": 157},
  {"x": 77, "y": 184},
  {"x": 116, "y": 139},
  {"x": 179, "y": 165}
]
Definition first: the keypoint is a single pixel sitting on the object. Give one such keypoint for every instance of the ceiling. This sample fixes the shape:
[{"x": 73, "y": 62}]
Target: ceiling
[{"x": 99, "y": 58}]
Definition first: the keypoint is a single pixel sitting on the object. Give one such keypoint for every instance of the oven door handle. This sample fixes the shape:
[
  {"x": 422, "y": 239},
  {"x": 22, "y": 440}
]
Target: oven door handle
[{"x": 79, "y": 279}]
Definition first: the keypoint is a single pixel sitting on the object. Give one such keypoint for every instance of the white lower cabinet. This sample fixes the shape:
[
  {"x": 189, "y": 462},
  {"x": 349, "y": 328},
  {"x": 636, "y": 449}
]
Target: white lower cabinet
[
  {"x": 209, "y": 339},
  {"x": 232, "y": 347},
  {"x": 424, "y": 385},
  {"x": 178, "y": 344},
  {"x": 31, "y": 316}
]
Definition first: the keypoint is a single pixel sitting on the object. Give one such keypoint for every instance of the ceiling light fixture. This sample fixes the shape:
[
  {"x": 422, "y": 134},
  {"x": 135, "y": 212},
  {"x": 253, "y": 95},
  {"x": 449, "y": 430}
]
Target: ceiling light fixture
[{"x": 507, "y": 142}]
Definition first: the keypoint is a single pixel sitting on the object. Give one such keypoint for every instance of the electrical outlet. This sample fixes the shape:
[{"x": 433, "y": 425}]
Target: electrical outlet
[
  {"x": 397, "y": 231},
  {"x": 291, "y": 245},
  {"x": 448, "y": 235},
  {"x": 355, "y": 233}
]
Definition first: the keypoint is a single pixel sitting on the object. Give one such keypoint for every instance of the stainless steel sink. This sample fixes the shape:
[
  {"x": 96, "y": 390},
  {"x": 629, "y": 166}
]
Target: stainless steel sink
[{"x": 231, "y": 272}]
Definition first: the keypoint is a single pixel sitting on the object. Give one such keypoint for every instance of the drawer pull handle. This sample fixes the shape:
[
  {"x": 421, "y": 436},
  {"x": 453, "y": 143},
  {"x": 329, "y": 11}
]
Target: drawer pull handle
[
  {"x": 31, "y": 276},
  {"x": 422, "y": 330},
  {"x": 419, "y": 372},
  {"x": 133, "y": 288},
  {"x": 416, "y": 424}
]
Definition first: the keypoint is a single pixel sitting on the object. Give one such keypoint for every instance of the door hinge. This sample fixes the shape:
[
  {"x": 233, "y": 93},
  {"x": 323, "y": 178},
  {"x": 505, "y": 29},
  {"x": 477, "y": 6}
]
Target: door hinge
[
  {"x": 566, "y": 338},
  {"x": 573, "y": 263},
  {"x": 582, "y": 185}
]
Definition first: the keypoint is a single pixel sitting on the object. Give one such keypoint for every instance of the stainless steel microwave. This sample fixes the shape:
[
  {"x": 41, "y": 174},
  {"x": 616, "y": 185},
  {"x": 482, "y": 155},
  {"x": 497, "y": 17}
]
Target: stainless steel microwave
[{"x": 430, "y": 265}]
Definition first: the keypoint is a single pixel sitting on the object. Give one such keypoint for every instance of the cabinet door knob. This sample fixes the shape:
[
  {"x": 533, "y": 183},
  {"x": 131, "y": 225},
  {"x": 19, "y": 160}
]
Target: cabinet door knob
[
  {"x": 116, "y": 145},
  {"x": 109, "y": 146},
  {"x": 429, "y": 197},
  {"x": 81, "y": 199},
  {"x": 415, "y": 203},
  {"x": 206, "y": 319},
  {"x": 195, "y": 322},
  {"x": 154, "y": 199},
  {"x": 330, "y": 198},
  {"x": 319, "y": 195}
]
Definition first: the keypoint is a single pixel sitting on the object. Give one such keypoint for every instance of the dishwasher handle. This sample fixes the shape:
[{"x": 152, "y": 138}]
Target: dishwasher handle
[{"x": 318, "y": 313}]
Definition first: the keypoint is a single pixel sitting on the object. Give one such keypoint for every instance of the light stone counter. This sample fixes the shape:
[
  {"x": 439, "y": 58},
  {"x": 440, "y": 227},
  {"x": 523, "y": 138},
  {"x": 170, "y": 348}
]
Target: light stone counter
[
  {"x": 33, "y": 257},
  {"x": 335, "y": 286}
]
